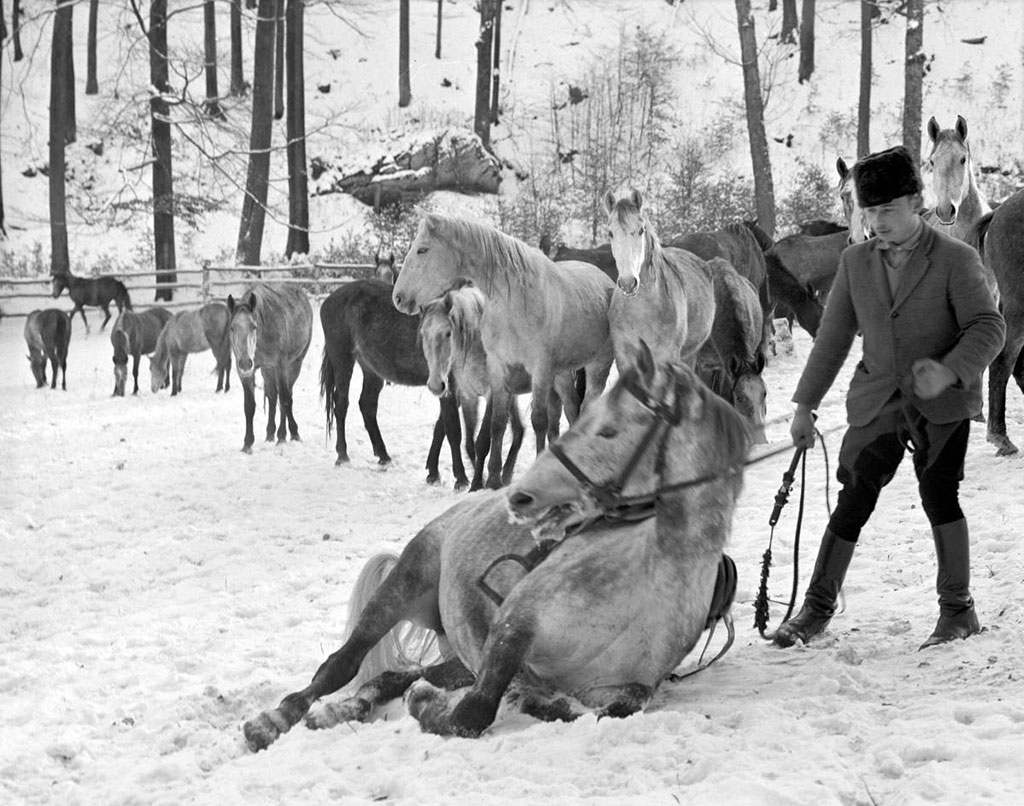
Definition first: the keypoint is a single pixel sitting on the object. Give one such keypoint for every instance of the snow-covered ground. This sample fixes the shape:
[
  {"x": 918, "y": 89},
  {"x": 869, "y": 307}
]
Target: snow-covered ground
[{"x": 158, "y": 587}]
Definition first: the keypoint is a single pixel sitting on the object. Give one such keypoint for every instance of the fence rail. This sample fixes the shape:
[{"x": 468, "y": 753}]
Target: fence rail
[{"x": 208, "y": 283}]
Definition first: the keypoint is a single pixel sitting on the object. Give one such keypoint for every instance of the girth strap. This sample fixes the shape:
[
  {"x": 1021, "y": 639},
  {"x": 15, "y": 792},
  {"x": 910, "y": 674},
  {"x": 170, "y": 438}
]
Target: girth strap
[{"x": 531, "y": 560}]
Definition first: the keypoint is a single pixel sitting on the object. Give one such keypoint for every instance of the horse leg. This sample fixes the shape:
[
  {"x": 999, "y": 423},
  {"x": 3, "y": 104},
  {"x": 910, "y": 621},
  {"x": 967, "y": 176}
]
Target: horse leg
[
  {"x": 498, "y": 405},
  {"x": 106, "y": 318},
  {"x": 368, "y": 397},
  {"x": 409, "y": 592},
  {"x": 270, "y": 401},
  {"x": 597, "y": 379},
  {"x": 469, "y": 421},
  {"x": 287, "y": 401},
  {"x": 136, "y": 357},
  {"x": 1010, "y": 361},
  {"x": 249, "y": 406},
  {"x": 78, "y": 307},
  {"x": 482, "y": 448},
  {"x": 453, "y": 431},
  {"x": 177, "y": 372},
  {"x": 518, "y": 431},
  {"x": 506, "y": 647},
  {"x": 434, "y": 454},
  {"x": 450, "y": 675},
  {"x": 342, "y": 379},
  {"x": 542, "y": 388}
]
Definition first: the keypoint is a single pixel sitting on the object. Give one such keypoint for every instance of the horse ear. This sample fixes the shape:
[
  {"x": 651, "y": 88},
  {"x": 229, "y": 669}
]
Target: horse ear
[
  {"x": 961, "y": 127},
  {"x": 637, "y": 198},
  {"x": 842, "y": 168},
  {"x": 933, "y": 128},
  {"x": 252, "y": 301},
  {"x": 609, "y": 201},
  {"x": 231, "y": 304}
]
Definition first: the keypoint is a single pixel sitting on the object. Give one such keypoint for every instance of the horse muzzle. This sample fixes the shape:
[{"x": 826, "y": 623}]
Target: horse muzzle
[{"x": 627, "y": 290}]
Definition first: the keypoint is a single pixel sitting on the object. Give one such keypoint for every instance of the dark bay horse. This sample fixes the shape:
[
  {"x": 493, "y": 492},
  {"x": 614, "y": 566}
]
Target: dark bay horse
[
  {"x": 134, "y": 334},
  {"x": 191, "y": 332},
  {"x": 449, "y": 333},
  {"x": 48, "y": 334},
  {"x": 269, "y": 329},
  {"x": 666, "y": 295},
  {"x": 611, "y": 611},
  {"x": 999, "y": 237},
  {"x": 812, "y": 261},
  {"x": 548, "y": 319},
  {"x": 96, "y": 291},
  {"x": 733, "y": 359},
  {"x": 361, "y": 326}
]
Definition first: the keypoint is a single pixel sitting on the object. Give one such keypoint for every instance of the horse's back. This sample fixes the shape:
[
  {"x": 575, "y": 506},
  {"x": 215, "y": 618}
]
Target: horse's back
[
  {"x": 600, "y": 256},
  {"x": 286, "y": 319},
  {"x": 1003, "y": 250},
  {"x": 811, "y": 259},
  {"x": 738, "y": 328},
  {"x": 360, "y": 320}
]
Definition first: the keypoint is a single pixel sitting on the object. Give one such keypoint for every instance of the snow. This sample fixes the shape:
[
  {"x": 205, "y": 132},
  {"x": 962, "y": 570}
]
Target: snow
[{"x": 158, "y": 587}]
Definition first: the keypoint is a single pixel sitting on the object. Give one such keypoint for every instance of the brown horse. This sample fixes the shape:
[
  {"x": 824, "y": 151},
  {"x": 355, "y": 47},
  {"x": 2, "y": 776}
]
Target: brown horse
[
  {"x": 732, "y": 360},
  {"x": 269, "y": 330},
  {"x": 667, "y": 295},
  {"x": 48, "y": 334},
  {"x": 604, "y": 616},
  {"x": 135, "y": 335},
  {"x": 191, "y": 332},
  {"x": 362, "y": 327},
  {"x": 97, "y": 291},
  {"x": 548, "y": 319},
  {"x": 999, "y": 237}
]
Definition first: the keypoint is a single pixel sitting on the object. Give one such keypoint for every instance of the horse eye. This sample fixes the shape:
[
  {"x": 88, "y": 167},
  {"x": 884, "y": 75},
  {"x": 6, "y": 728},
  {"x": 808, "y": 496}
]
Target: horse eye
[
  {"x": 421, "y": 250},
  {"x": 641, "y": 231},
  {"x": 963, "y": 160},
  {"x": 611, "y": 235},
  {"x": 608, "y": 432},
  {"x": 447, "y": 334}
]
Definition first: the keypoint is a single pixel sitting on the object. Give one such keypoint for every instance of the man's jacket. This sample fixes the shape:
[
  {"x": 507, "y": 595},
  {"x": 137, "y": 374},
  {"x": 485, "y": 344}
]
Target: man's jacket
[{"x": 942, "y": 309}]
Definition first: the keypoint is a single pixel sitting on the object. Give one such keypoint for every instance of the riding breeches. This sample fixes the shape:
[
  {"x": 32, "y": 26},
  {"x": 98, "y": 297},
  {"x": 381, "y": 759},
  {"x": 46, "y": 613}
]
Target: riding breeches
[{"x": 871, "y": 454}]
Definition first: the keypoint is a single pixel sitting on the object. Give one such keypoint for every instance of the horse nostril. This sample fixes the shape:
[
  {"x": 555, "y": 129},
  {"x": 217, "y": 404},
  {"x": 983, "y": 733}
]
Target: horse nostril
[
  {"x": 520, "y": 500},
  {"x": 397, "y": 299}
]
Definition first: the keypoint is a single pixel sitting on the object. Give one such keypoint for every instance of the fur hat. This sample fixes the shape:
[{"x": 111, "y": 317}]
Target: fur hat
[{"x": 886, "y": 175}]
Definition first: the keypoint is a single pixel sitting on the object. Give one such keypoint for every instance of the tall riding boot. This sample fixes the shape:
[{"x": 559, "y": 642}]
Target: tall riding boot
[
  {"x": 957, "y": 618},
  {"x": 819, "y": 606}
]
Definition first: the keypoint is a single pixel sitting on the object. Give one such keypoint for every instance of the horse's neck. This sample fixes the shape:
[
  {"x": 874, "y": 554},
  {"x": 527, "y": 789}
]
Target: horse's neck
[{"x": 974, "y": 204}]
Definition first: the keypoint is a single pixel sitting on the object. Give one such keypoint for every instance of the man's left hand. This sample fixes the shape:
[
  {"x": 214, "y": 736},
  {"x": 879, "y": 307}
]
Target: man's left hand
[{"x": 931, "y": 378}]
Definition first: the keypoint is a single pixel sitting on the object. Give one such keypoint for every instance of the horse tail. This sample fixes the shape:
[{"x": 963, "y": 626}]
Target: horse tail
[
  {"x": 121, "y": 298},
  {"x": 63, "y": 336},
  {"x": 327, "y": 388},
  {"x": 405, "y": 647}
]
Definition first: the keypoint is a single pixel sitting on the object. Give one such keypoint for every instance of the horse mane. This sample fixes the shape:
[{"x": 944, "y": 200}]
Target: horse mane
[
  {"x": 161, "y": 353},
  {"x": 465, "y": 308},
  {"x": 976, "y": 234},
  {"x": 499, "y": 257}
]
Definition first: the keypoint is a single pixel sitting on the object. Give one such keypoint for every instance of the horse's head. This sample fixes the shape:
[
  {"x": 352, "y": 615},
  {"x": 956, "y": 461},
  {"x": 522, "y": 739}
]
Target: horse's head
[
  {"x": 448, "y": 327},
  {"x": 657, "y": 427},
  {"x": 385, "y": 268},
  {"x": 855, "y": 221},
  {"x": 159, "y": 372},
  {"x": 750, "y": 399},
  {"x": 628, "y": 230},
  {"x": 430, "y": 268},
  {"x": 59, "y": 283},
  {"x": 950, "y": 163},
  {"x": 243, "y": 333},
  {"x": 37, "y": 360}
]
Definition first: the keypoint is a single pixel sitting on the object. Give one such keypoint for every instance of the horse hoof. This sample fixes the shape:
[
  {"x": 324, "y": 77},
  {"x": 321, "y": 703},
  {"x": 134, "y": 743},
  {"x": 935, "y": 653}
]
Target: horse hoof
[
  {"x": 261, "y": 732},
  {"x": 494, "y": 483},
  {"x": 1004, "y": 447},
  {"x": 341, "y": 460},
  {"x": 247, "y": 449},
  {"x": 461, "y": 484},
  {"x": 433, "y": 479}
]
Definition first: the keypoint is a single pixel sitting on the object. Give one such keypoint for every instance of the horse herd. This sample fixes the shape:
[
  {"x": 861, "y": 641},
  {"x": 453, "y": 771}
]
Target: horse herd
[{"x": 590, "y": 579}]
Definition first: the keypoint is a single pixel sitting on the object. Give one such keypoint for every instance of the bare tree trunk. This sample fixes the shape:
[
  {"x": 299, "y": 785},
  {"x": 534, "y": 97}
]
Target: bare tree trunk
[
  {"x": 789, "y": 22},
  {"x": 3, "y": 36},
  {"x": 92, "y": 86},
  {"x": 239, "y": 86},
  {"x": 163, "y": 177},
  {"x": 913, "y": 87},
  {"x": 482, "y": 115},
  {"x": 16, "y": 29},
  {"x": 279, "y": 63},
  {"x": 864, "y": 101},
  {"x": 404, "y": 89},
  {"x": 298, "y": 184},
  {"x": 496, "y": 62},
  {"x": 70, "y": 115},
  {"x": 437, "y": 44},
  {"x": 250, "y": 231},
  {"x": 764, "y": 189},
  {"x": 59, "y": 260},
  {"x": 806, "y": 43},
  {"x": 212, "y": 103}
]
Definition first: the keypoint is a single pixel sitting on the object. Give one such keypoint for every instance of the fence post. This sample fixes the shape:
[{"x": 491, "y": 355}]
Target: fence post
[
  {"x": 204, "y": 289},
  {"x": 316, "y": 279}
]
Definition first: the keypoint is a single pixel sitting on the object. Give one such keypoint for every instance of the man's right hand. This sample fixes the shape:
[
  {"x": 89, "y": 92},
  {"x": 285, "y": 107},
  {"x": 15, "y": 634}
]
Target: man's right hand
[{"x": 802, "y": 428}]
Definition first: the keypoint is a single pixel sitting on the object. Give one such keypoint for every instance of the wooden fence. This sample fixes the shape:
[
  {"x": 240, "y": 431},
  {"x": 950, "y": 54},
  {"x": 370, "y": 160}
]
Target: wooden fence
[{"x": 19, "y": 296}]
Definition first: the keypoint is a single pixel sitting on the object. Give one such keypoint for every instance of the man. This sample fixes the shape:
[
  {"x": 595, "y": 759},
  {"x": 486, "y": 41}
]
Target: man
[{"x": 930, "y": 328}]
